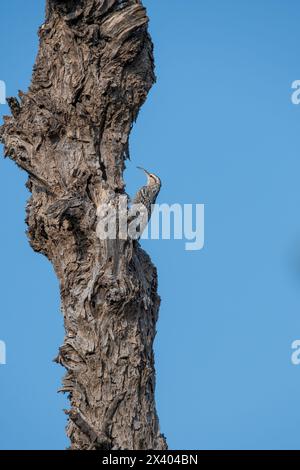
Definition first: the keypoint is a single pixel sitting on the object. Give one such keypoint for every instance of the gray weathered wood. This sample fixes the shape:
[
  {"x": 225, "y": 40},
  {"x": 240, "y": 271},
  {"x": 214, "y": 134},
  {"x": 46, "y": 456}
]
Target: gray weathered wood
[{"x": 70, "y": 133}]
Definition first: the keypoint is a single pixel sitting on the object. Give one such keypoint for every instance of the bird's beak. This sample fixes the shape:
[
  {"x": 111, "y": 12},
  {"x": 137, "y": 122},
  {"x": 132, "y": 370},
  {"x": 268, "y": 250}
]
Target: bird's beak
[{"x": 143, "y": 169}]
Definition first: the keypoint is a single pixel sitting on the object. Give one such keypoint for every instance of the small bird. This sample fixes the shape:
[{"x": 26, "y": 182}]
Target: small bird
[{"x": 147, "y": 195}]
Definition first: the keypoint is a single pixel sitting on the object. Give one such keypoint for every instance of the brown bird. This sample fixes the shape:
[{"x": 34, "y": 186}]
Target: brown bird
[{"x": 147, "y": 195}]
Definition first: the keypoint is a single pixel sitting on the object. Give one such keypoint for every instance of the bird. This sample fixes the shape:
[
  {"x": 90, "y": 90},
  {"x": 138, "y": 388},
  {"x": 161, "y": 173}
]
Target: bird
[{"x": 147, "y": 195}]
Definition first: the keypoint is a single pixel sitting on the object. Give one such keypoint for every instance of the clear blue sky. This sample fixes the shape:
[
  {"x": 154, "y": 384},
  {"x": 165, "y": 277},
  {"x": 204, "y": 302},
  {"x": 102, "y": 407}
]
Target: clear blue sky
[{"x": 220, "y": 129}]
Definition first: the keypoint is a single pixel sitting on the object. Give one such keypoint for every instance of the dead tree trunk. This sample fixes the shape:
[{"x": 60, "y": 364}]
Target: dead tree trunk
[{"x": 70, "y": 133}]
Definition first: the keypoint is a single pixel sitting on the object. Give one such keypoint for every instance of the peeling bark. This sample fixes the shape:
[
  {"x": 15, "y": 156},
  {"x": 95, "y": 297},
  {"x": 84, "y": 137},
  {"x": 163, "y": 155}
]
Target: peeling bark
[{"x": 70, "y": 133}]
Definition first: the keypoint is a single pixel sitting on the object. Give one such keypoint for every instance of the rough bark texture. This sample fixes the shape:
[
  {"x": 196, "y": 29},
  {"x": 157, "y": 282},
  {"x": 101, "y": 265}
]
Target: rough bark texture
[{"x": 70, "y": 133}]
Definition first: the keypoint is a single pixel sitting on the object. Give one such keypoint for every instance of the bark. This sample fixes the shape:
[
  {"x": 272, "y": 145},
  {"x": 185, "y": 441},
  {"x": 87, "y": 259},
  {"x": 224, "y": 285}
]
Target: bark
[{"x": 70, "y": 133}]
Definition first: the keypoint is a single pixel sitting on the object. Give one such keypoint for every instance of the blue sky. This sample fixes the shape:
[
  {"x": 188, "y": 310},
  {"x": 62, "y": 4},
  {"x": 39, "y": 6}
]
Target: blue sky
[{"x": 220, "y": 129}]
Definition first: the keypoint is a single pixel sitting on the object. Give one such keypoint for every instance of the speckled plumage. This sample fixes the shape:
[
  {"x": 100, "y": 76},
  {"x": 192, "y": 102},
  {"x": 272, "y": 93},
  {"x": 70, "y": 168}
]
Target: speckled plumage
[{"x": 147, "y": 195}]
